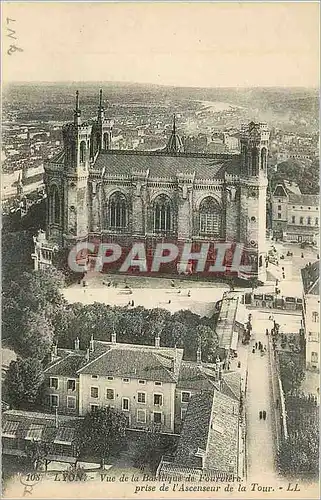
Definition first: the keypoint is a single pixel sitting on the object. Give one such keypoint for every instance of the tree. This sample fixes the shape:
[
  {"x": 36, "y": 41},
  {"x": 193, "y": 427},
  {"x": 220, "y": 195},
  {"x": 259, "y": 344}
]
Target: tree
[
  {"x": 150, "y": 448},
  {"x": 22, "y": 385},
  {"x": 209, "y": 343},
  {"x": 30, "y": 303},
  {"x": 292, "y": 373},
  {"x": 102, "y": 432}
]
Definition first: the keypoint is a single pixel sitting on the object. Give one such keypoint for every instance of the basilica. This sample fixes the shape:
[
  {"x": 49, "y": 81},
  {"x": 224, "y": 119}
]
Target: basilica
[{"x": 96, "y": 193}]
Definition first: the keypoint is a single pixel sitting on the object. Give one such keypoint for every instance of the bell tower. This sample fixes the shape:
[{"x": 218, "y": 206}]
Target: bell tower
[
  {"x": 77, "y": 145},
  {"x": 105, "y": 127},
  {"x": 253, "y": 180}
]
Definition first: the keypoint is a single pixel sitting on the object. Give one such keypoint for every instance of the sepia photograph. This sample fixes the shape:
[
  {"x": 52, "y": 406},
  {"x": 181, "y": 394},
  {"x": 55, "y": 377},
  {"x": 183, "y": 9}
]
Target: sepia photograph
[{"x": 160, "y": 249}]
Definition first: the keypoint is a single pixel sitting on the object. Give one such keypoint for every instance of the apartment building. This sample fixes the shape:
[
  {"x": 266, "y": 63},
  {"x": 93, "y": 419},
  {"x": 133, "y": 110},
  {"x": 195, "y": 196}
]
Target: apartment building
[
  {"x": 295, "y": 216},
  {"x": 150, "y": 384},
  {"x": 311, "y": 315}
]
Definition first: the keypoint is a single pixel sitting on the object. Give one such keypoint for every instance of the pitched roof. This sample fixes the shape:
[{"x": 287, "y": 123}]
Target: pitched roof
[
  {"x": 196, "y": 377},
  {"x": 165, "y": 165},
  {"x": 311, "y": 278},
  {"x": 226, "y": 320},
  {"x": 231, "y": 384},
  {"x": 35, "y": 426},
  {"x": 222, "y": 444},
  {"x": 135, "y": 361},
  {"x": 309, "y": 200},
  {"x": 66, "y": 366},
  {"x": 209, "y": 437},
  {"x": 292, "y": 187},
  {"x": 195, "y": 429}
]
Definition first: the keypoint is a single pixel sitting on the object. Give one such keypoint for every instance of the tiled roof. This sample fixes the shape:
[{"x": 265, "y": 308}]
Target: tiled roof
[
  {"x": 66, "y": 366},
  {"x": 24, "y": 424},
  {"x": 226, "y": 320},
  {"x": 231, "y": 384},
  {"x": 210, "y": 430},
  {"x": 58, "y": 158},
  {"x": 135, "y": 361},
  {"x": 195, "y": 430},
  {"x": 196, "y": 377},
  {"x": 292, "y": 187},
  {"x": 307, "y": 200},
  {"x": 222, "y": 446},
  {"x": 311, "y": 278},
  {"x": 160, "y": 165}
]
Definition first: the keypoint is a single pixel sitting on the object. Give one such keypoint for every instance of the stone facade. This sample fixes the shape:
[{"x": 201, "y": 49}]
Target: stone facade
[
  {"x": 295, "y": 216},
  {"x": 99, "y": 194}
]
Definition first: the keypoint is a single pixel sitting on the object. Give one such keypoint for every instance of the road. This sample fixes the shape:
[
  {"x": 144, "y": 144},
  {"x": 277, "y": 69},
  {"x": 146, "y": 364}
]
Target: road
[
  {"x": 199, "y": 301},
  {"x": 261, "y": 439}
]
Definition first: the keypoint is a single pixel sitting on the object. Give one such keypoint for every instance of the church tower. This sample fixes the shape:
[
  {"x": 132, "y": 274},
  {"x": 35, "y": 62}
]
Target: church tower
[
  {"x": 77, "y": 145},
  {"x": 104, "y": 131},
  {"x": 253, "y": 186}
]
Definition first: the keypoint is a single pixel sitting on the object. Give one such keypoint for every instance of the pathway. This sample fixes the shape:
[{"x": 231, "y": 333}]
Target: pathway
[{"x": 260, "y": 434}]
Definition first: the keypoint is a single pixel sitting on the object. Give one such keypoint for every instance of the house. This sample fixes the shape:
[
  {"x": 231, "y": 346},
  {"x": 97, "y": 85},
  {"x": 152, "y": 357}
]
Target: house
[
  {"x": 311, "y": 315},
  {"x": 22, "y": 430},
  {"x": 139, "y": 380},
  {"x": 209, "y": 441},
  {"x": 295, "y": 216},
  {"x": 151, "y": 384}
]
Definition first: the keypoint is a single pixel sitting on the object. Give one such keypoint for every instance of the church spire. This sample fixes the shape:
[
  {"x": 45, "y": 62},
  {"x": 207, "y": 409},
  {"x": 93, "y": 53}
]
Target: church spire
[
  {"x": 175, "y": 144},
  {"x": 77, "y": 110},
  {"x": 100, "y": 107}
]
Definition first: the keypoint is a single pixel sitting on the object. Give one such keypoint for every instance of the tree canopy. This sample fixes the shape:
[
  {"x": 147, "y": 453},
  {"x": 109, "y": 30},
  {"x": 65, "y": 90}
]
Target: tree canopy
[
  {"x": 30, "y": 304},
  {"x": 23, "y": 383},
  {"x": 305, "y": 175},
  {"x": 102, "y": 433}
]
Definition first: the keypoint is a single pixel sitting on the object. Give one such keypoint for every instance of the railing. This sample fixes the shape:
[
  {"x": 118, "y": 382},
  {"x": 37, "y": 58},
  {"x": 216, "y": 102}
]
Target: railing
[{"x": 279, "y": 413}]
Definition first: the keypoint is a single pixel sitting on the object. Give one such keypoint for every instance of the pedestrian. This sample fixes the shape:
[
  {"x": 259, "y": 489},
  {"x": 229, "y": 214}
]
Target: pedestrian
[
  {"x": 264, "y": 415},
  {"x": 169, "y": 301},
  {"x": 260, "y": 415},
  {"x": 260, "y": 345},
  {"x": 255, "y": 345},
  {"x": 302, "y": 256},
  {"x": 133, "y": 303},
  {"x": 189, "y": 293},
  {"x": 266, "y": 331},
  {"x": 265, "y": 348},
  {"x": 253, "y": 350}
]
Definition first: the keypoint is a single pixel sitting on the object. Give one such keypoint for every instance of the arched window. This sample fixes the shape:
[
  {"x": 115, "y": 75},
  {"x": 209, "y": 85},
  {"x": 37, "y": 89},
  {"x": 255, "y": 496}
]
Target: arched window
[
  {"x": 263, "y": 159},
  {"x": 255, "y": 169},
  {"x": 106, "y": 141},
  {"x": 82, "y": 151},
  {"x": 54, "y": 206},
  {"x": 162, "y": 214},
  {"x": 210, "y": 217},
  {"x": 118, "y": 213}
]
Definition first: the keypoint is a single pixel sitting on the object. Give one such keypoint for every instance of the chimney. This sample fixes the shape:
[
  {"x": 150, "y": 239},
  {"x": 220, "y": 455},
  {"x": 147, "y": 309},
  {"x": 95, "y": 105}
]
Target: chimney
[
  {"x": 87, "y": 355},
  {"x": 157, "y": 340},
  {"x": 53, "y": 353},
  {"x": 199, "y": 356},
  {"x": 218, "y": 369},
  {"x": 77, "y": 344},
  {"x": 91, "y": 344},
  {"x": 113, "y": 338}
]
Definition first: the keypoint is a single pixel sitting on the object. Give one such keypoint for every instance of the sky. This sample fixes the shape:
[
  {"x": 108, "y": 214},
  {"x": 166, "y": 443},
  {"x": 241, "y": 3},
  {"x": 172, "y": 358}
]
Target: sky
[{"x": 183, "y": 44}]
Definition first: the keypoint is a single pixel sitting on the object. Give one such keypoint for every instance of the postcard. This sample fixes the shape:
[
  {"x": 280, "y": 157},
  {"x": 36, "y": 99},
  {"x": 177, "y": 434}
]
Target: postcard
[{"x": 160, "y": 250}]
